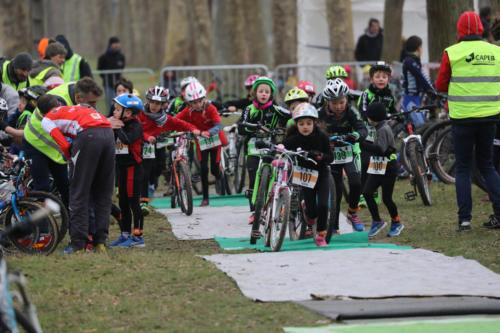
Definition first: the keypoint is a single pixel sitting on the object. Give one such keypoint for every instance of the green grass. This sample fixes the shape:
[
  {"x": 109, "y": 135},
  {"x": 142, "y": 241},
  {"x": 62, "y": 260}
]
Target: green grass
[{"x": 166, "y": 287}]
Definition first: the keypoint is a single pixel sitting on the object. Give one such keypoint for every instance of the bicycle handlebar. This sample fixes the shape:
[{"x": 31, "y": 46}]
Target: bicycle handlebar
[{"x": 341, "y": 139}]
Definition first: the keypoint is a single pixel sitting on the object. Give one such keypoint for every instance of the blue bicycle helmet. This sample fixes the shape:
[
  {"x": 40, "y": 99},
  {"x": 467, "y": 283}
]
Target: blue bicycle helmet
[{"x": 129, "y": 101}]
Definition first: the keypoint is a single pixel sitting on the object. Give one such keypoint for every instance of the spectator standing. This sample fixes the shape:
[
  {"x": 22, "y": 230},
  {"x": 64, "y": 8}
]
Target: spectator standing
[
  {"x": 369, "y": 46},
  {"x": 112, "y": 59},
  {"x": 469, "y": 72},
  {"x": 75, "y": 67}
]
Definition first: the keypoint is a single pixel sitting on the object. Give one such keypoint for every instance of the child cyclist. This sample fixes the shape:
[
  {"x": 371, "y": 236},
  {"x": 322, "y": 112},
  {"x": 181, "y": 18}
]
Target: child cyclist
[
  {"x": 306, "y": 135},
  {"x": 205, "y": 117},
  {"x": 294, "y": 97},
  {"x": 155, "y": 120},
  {"x": 308, "y": 87},
  {"x": 265, "y": 112},
  {"x": 341, "y": 120},
  {"x": 179, "y": 103},
  {"x": 382, "y": 170},
  {"x": 128, "y": 139}
]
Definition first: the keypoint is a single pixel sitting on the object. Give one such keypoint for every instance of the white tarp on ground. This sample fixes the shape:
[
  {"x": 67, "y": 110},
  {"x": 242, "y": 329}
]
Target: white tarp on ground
[
  {"x": 365, "y": 273},
  {"x": 208, "y": 222}
]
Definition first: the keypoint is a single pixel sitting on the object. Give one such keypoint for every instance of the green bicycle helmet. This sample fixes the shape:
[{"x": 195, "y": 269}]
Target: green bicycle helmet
[
  {"x": 296, "y": 95},
  {"x": 266, "y": 80},
  {"x": 335, "y": 71}
]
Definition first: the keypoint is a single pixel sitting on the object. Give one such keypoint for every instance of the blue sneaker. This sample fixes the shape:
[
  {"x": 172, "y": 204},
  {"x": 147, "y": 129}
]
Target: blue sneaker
[
  {"x": 138, "y": 241},
  {"x": 376, "y": 227},
  {"x": 356, "y": 223},
  {"x": 395, "y": 229},
  {"x": 119, "y": 240},
  {"x": 67, "y": 250},
  {"x": 127, "y": 243}
]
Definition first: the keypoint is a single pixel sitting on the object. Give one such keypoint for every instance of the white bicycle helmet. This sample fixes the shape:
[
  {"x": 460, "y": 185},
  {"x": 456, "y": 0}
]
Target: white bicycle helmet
[
  {"x": 335, "y": 89},
  {"x": 3, "y": 105},
  {"x": 187, "y": 80},
  {"x": 157, "y": 93},
  {"x": 304, "y": 110},
  {"x": 194, "y": 90}
]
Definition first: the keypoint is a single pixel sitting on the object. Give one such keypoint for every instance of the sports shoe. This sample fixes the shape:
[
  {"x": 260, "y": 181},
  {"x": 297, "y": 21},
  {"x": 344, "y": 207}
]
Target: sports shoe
[
  {"x": 69, "y": 250},
  {"x": 138, "y": 241},
  {"x": 309, "y": 232},
  {"x": 119, "y": 240},
  {"x": 356, "y": 223},
  {"x": 464, "y": 226},
  {"x": 145, "y": 208},
  {"x": 376, "y": 227},
  {"x": 204, "y": 203},
  {"x": 100, "y": 248},
  {"x": 127, "y": 243},
  {"x": 320, "y": 241},
  {"x": 250, "y": 222},
  {"x": 376, "y": 197},
  {"x": 493, "y": 223},
  {"x": 362, "y": 201},
  {"x": 66, "y": 250},
  {"x": 309, "y": 220},
  {"x": 335, "y": 232},
  {"x": 395, "y": 229}
]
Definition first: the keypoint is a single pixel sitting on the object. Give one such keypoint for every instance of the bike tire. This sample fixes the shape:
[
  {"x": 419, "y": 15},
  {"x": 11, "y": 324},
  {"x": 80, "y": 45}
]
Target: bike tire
[
  {"x": 24, "y": 322},
  {"x": 62, "y": 218},
  {"x": 185, "y": 190},
  {"x": 195, "y": 170},
  {"x": 295, "y": 219},
  {"x": 34, "y": 243},
  {"x": 442, "y": 159},
  {"x": 417, "y": 163},
  {"x": 260, "y": 201},
  {"x": 279, "y": 224},
  {"x": 240, "y": 170},
  {"x": 333, "y": 220}
]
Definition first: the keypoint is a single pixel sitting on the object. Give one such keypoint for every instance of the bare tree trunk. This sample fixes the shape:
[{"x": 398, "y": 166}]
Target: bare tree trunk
[
  {"x": 202, "y": 32},
  {"x": 15, "y": 31},
  {"x": 495, "y": 8},
  {"x": 393, "y": 26},
  {"x": 339, "y": 16},
  {"x": 285, "y": 31},
  {"x": 442, "y": 21},
  {"x": 256, "y": 36},
  {"x": 177, "y": 49}
]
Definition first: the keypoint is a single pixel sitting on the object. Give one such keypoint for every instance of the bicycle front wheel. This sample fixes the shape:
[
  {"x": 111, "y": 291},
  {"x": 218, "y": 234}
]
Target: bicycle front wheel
[
  {"x": 333, "y": 215},
  {"x": 278, "y": 223},
  {"x": 185, "y": 190},
  {"x": 418, "y": 170},
  {"x": 42, "y": 239}
]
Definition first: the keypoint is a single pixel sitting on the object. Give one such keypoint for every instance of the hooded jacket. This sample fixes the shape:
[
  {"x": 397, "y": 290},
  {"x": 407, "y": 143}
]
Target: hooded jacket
[
  {"x": 84, "y": 66},
  {"x": 369, "y": 46},
  {"x": 111, "y": 60}
]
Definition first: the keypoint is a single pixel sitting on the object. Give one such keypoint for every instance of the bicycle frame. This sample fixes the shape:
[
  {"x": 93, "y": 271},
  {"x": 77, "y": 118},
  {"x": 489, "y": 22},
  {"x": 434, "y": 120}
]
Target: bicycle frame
[{"x": 257, "y": 179}]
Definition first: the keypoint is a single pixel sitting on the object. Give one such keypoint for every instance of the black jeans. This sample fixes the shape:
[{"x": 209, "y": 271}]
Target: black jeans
[{"x": 387, "y": 183}]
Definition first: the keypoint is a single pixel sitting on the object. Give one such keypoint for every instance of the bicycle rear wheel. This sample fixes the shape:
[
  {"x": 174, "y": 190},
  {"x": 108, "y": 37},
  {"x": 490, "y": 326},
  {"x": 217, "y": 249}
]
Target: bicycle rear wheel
[
  {"x": 333, "y": 220},
  {"x": 42, "y": 238},
  {"x": 295, "y": 218},
  {"x": 240, "y": 170},
  {"x": 278, "y": 223},
  {"x": 185, "y": 190},
  {"x": 442, "y": 157},
  {"x": 61, "y": 218},
  {"x": 418, "y": 170}
]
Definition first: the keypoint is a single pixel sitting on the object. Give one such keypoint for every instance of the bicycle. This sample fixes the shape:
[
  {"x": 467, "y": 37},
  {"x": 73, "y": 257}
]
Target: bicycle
[
  {"x": 16, "y": 308},
  {"x": 180, "y": 178},
  {"x": 235, "y": 162},
  {"x": 265, "y": 174},
  {"x": 412, "y": 155}
]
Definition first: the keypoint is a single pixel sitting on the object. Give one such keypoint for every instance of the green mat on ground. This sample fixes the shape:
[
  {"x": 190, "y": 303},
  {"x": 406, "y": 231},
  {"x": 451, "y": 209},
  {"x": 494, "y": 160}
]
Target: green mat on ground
[
  {"x": 343, "y": 241},
  {"x": 483, "y": 325},
  {"x": 215, "y": 201}
]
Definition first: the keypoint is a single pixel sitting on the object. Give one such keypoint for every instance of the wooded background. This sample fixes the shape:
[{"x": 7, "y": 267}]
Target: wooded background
[{"x": 155, "y": 33}]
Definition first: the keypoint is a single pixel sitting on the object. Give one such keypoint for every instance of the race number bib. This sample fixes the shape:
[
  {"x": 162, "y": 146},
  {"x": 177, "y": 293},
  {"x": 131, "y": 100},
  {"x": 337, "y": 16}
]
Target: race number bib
[
  {"x": 371, "y": 134},
  {"x": 304, "y": 177},
  {"x": 120, "y": 148},
  {"x": 164, "y": 142},
  {"x": 342, "y": 155},
  {"x": 148, "y": 150},
  {"x": 378, "y": 165},
  {"x": 208, "y": 143}
]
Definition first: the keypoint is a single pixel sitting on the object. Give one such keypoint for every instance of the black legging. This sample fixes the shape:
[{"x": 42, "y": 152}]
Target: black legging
[
  {"x": 148, "y": 166},
  {"x": 214, "y": 167},
  {"x": 129, "y": 185},
  {"x": 371, "y": 185},
  {"x": 354, "y": 178},
  {"x": 318, "y": 208}
]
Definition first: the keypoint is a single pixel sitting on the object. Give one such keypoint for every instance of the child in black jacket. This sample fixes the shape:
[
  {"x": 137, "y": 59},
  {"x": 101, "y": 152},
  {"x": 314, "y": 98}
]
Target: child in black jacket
[{"x": 306, "y": 135}]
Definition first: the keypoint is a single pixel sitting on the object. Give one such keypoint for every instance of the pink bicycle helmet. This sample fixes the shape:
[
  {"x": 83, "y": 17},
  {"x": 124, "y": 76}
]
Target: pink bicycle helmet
[{"x": 250, "y": 80}]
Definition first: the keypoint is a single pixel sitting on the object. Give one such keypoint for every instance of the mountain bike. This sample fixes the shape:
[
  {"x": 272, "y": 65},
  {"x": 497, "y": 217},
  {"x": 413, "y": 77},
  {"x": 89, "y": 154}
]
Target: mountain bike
[
  {"x": 16, "y": 308},
  {"x": 180, "y": 178},
  {"x": 265, "y": 174},
  {"x": 235, "y": 158}
]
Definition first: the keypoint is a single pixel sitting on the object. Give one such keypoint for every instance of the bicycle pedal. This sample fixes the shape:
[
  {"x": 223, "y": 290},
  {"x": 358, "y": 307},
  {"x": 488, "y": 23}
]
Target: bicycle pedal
[
  {"x": 256, "y": 234},
  {"x": 410, "y": 196}
]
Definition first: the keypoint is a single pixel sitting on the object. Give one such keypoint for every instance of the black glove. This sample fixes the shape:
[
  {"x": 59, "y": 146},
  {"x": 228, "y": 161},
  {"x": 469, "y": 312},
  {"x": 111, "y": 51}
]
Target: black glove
[
  {"x": 389, "y": 151},
  {"x": 316, "y": 155},
  {"x": 351, "y": 138}
]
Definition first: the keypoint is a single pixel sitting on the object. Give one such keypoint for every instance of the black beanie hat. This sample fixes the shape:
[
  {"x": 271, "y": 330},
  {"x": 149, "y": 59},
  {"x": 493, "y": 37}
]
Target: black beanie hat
[
  {"x": 376, "y": 112},
  {"x": 113, "y": 40},
  {"x": 23, "y": 61}
]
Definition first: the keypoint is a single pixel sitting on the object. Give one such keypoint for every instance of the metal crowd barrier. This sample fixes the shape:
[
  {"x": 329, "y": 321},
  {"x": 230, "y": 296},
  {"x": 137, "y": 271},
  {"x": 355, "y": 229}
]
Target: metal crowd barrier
[{"x": 223, "y": 82}]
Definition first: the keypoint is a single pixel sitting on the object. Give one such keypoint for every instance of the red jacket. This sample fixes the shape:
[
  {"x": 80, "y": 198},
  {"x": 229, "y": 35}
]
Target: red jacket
[
  {"x": 204, "y": 120},
  {"x": 151, "y": 128},
  {"x": 69, "y": 121},
  {"x": 468, "y": 24}
]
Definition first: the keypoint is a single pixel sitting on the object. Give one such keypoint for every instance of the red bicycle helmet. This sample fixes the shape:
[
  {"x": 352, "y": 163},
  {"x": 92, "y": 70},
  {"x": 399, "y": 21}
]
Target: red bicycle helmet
[{"x": 307, "y": 86}]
